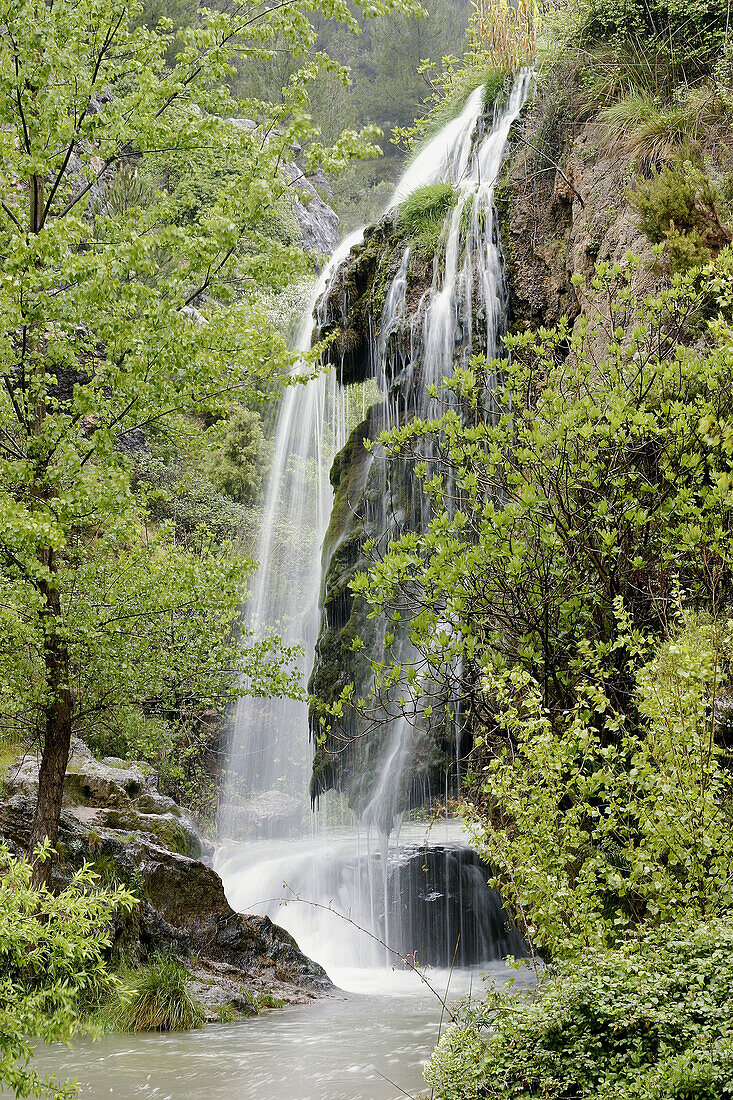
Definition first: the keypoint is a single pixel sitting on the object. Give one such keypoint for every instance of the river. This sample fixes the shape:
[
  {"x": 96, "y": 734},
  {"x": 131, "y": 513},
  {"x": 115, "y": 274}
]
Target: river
[{"x": 357, "y": 1046}]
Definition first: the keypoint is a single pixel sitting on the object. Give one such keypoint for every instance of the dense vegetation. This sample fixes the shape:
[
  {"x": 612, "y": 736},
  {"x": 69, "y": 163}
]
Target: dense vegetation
[{"x": 571, "y": 595}]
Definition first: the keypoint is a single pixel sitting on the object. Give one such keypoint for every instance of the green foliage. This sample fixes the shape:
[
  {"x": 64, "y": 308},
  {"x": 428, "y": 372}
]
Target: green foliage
[
  {"x": 268, "y": 1000},
  {"x": 157, "y": 999},
  {"x": 602, "y": 826},
  {"x": 422, "y": 215},
  {"x": 52, "y": 959},
  {"x": 564, "y": 533},
  {"x": 236, "y": 465},
  {"x": 678, "y": 205},
  {"x": 129, "y": 197},
  {"x": 651, "y": 1021},
  {"x": 670, "y": 41}
]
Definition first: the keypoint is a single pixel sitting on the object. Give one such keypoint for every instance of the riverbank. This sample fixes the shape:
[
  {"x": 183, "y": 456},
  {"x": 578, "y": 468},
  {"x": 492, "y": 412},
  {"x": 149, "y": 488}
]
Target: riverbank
[{"x": 115, "y": 818}]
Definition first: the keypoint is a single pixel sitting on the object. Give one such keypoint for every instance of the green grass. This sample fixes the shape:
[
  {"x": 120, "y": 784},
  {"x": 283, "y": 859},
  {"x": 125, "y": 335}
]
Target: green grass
[
  {"x": 156, "y": 998},
  {"x": 267, "y": 1000},
  {"x": 420, "y": 218}
]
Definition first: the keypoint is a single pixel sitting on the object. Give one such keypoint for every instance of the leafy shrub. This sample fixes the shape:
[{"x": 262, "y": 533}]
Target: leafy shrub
[
  {"x": 677, "y": 205},
  {"x": 158, "y": 999},
  {"x": 597, "y": 838},
  {"x": 586, "y": 514},
  {"x": 52, "y": 958},
  {"x": 650, "y": 1021},
  {"x": 422, "y": 215}
]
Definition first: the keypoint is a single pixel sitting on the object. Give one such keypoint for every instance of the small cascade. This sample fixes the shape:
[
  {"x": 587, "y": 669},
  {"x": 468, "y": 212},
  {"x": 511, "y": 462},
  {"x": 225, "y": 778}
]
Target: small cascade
[
  {"x": 352, "y": 898},
  {"x": 329, "y": 893}
]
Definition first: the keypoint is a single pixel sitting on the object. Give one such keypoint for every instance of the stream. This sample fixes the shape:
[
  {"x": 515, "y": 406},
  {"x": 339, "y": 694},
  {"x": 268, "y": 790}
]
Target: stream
[{"x": 369, "y": 1045}]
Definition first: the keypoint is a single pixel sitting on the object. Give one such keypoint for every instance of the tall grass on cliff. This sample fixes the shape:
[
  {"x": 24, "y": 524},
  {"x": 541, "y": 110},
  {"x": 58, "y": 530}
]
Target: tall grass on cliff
[{"x": 506, "y": 34}]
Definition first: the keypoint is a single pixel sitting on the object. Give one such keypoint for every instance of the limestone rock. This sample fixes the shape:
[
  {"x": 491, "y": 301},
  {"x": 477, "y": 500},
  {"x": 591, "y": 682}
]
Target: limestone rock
[
  {"x": 182, "y": 906},
  {"x": 113, "y": 794}
]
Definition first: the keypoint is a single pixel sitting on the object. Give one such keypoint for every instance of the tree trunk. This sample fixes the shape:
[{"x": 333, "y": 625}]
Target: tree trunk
[
  {"x": 57, "y": 712},
  {"x": 56, "y": 734}
]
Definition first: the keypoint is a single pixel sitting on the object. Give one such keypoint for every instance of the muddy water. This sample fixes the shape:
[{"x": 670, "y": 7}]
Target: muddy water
[{"x": 361, "y": 1046}]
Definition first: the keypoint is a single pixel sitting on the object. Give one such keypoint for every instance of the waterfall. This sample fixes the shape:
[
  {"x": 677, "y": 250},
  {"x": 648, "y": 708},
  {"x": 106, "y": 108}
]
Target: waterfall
[
  {"x": 268, "y": 744},
  {"x": 402, "y": 897}
]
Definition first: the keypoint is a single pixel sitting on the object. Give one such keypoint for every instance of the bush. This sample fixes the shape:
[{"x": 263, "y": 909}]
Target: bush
[
  {"x": 52, "y": 960},
  {"x": 158, "y": 999},
  {"x": 651, "y": 1021},
  {"x": 574, "y": 509},
  {"x": 236, "y": 466},
  {"x": 677, "y": 205},
  {"x": 681, "y": 40}
]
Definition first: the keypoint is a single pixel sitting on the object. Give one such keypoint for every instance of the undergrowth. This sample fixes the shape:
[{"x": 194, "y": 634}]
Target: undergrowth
[
  {"x": 155, "y": 998},
  {"x": 649, "y": 1021}
]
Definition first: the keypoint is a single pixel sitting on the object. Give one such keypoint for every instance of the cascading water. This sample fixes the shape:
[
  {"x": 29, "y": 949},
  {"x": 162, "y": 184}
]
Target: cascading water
[
  {"x": 434, "y": 906},
  {"x": 268, "y": 752}
]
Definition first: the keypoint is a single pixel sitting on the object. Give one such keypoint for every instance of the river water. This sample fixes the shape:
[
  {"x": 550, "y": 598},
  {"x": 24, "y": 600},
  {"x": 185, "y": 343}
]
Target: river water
[{"x": 360, "y": 1046}]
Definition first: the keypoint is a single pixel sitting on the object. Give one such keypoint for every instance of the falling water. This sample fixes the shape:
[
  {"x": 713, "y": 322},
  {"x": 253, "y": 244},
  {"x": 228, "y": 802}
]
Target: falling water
[
  {"x": 398, "y": 895},
  {"x": 268, "y": 748}
]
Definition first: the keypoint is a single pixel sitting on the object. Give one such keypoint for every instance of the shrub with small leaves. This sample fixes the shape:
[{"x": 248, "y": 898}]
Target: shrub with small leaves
[
  {"x": 678, "y": 205},
  {"x": 651, "y": 1021},
  {"x": 52, "y": 959}
]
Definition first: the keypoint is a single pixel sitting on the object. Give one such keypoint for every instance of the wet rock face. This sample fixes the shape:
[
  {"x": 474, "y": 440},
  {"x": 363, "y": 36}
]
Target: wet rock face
[
  {"x": 319, "y": 224},
  {"x": 444, "y": 909},
  {"x": 115, "y": 818},
  {"x": 563, "y": 205}
]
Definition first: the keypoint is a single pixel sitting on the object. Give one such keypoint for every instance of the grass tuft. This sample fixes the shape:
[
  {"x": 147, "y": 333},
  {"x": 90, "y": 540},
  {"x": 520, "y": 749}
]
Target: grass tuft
[
  {"x": 158, "y": 999},
  {"x": 654, "y": 131},
  {"x": 422, "y": 215}
]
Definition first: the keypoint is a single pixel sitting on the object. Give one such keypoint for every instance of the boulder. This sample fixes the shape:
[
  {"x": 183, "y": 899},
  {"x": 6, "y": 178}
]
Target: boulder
[
  {"x": 181, "y": 906},
  {"x": 115, "y": 794},
  {"x": 269, "y": 814}
]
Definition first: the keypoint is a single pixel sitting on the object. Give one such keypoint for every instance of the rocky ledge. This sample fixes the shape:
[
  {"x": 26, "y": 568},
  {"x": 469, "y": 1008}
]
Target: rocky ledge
[{"x": 115, "y": 818}]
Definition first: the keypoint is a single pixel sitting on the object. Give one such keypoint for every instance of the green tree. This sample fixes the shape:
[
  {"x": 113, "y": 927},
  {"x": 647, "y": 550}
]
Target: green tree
[
  {"x": 236, "y": 466},
  {"x": 574, "y": 475},
  {"x": 97, "y": 334}
]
